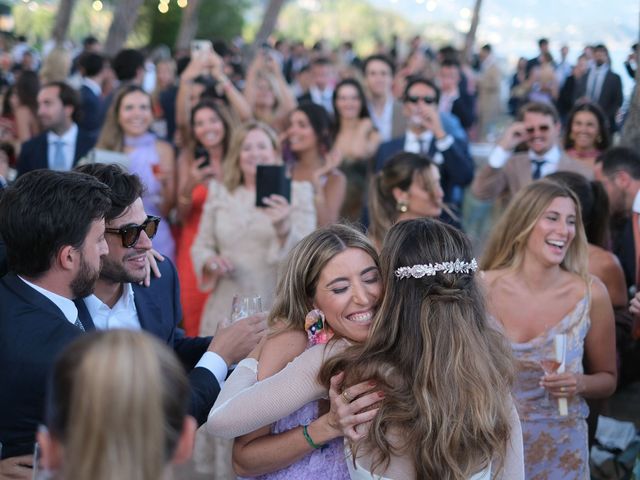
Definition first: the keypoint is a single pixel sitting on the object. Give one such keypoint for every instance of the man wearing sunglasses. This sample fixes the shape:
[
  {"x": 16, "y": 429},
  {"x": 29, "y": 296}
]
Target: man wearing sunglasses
[
  {"x": 527, "y": 151},
  {"x": 435, "y": 134},
  {"x": 120, "y": 301}
]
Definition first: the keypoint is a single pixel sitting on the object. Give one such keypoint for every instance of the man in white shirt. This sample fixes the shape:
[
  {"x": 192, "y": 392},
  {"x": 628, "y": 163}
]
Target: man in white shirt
[
  {"x": 120, "y": 301},
  {"x": 322, "y": 80},
  {"x": 527, "y": 151},
  {"x": 62, "y": 143}
]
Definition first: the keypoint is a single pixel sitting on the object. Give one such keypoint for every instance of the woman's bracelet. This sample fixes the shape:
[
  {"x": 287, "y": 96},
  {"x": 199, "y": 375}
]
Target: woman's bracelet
[{"x": 309, "y": 440}]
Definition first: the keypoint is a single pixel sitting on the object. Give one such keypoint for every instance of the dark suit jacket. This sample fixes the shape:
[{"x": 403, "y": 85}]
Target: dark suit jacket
[
  {"x": 34, "y": 153},
  {"x": 91, "y": 120},
  {"x": 33, "y": 331},
  {"x": 464, "y": 109},
  {"x": 624, "y": 247},
  {"x": 610, "y": 98},
  {"x": 456, "y": 170}
]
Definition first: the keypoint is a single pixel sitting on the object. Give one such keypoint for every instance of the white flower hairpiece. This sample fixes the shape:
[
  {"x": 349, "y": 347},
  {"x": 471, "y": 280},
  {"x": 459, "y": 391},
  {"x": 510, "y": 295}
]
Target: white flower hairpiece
[{"x": 429, "y": 270}]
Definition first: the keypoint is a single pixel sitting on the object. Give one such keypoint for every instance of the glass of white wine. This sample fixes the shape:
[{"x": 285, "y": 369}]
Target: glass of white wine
[{"x": 552, "y": 358}]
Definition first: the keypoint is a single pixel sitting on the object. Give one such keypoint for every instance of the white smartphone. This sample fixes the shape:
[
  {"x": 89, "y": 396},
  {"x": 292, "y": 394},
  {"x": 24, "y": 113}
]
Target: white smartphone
[{"x": 199, "y": 47}]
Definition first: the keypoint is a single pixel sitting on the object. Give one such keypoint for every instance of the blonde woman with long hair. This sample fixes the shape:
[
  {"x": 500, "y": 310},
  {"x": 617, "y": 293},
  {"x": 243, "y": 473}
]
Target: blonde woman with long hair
[
  {"x": 426, "y": 357},
  {"x": 538, "y": 288},
  {"x": 108, "y": 421}
]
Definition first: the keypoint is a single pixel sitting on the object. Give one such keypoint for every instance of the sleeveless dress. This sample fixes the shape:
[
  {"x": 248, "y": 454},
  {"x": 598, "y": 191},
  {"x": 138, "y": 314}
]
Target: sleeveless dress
[
  {"x": 191, "y": 298},
  {"x": 327, "y": 463},
  {"x": 555, "y": 447},
  {"x": 143, "y": 156}
]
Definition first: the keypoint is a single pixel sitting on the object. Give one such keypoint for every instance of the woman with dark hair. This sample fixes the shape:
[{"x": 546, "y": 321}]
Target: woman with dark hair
[
  {"x": 26, "y": 111},
  {"x": 408, "y": 186},
  {"x": 199, "y": 161},
  {"x": 309, "y": 140},
  {"x": 587, "y": 133},
  {"x": 355, "y": 140}
]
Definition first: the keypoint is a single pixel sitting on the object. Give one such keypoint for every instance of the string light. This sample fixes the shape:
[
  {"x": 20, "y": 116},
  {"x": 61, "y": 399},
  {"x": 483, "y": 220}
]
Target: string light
[
  {"x": 182, "y": 3},
  {"x": 97, "y": 5}
]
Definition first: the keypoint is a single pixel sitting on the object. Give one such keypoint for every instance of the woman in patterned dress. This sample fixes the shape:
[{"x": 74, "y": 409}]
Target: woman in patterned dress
[{"x": 538, "y": 287}]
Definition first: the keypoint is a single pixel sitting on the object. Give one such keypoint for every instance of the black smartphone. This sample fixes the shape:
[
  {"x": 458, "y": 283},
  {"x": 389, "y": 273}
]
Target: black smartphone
[
  {"x": 201, "y": 152},
  {"x": 272, "y": 179}
]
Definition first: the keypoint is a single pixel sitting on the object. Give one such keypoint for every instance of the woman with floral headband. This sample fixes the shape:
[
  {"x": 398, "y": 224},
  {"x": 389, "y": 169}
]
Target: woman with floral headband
[{"x": 430, "y": 356}]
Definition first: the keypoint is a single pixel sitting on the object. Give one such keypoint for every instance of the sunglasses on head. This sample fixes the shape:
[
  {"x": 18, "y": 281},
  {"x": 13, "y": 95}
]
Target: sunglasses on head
[
  {"x": 131, "y": 233},
  {"x": 428, "y": 99},
  {"x": 541, "y": 128}
]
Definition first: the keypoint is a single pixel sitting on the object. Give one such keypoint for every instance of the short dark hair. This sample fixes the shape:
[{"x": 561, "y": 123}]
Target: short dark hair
[
  {"x": 68, "y": 96},
  {"x": 487, "y": 47},
  {"x": 424, "y": 81},
  {"x": 126, "y": 64},
  {"x": 45, "y": 210},
  {"x": 380, "y": 58},
  {"x": 543, "y": 41},
  {"x": 89, "y": 40},
  {"x": 321, "y": 61},
  {"x": 91, "y": 63},
  {"x": 124, "y": 188},
  {"x": 620, "y": 159},
  {"x": 541, "y": 108}
]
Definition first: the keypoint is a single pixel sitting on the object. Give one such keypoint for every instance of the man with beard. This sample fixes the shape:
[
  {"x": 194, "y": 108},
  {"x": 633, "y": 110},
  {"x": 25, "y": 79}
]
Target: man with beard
[
  {"x": 120, "y": 301},
  {"x": 53, "y": 226}
]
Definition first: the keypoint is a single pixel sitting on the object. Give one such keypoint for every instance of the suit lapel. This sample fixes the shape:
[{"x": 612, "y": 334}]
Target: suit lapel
[
  {"x": 149, "y": 313},
  {"x": 84, "y": 316}
]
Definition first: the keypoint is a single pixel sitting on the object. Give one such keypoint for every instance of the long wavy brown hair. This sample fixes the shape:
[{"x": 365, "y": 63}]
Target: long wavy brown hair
[{"x": 445, "y": 372}]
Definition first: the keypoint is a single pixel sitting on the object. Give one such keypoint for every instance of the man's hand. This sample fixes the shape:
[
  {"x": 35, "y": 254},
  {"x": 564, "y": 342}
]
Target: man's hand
[
  {"x": 20, "y": 468},
  {"x": 432, "y": 121},
  {"x": 513, "y": 136},
  {"x": 233, "y": 343}
]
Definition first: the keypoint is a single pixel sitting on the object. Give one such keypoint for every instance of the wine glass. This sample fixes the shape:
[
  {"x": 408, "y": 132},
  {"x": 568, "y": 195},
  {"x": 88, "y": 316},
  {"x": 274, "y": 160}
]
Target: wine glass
[
  {"x": 242, "y": 307},
  {"x": 552, "y": 359}
]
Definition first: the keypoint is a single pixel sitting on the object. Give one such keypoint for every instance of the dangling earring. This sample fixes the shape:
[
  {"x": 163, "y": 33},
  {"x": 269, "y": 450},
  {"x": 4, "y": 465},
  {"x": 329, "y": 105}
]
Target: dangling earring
[
  {"x": 318, "y": 330},
  {"x": 402, "y": 206}
]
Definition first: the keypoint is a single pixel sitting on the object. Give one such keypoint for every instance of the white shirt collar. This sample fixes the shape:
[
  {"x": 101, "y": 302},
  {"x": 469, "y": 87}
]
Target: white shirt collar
[
  {"x": 124, "y": 311},
  {"x": 92, "y": 85},
  {"x": 66, "y": 305},
  {"x": 636, "y": 203},
  {"x": 68, "y": 137},
  {"x": 552, "y": 155}
]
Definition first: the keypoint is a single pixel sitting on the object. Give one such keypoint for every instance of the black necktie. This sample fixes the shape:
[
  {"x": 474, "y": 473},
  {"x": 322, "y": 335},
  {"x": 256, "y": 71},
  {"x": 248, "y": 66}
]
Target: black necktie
[{"x": 537, "y": 168}]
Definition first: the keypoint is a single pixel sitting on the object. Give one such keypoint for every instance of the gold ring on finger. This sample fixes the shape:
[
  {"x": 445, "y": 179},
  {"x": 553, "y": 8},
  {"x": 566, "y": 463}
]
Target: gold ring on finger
[{"x": 346, "y": 397}]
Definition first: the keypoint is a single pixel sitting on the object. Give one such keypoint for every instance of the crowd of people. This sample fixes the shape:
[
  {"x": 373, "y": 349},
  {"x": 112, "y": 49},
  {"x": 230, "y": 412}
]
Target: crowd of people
[{"x": 385, "y": 349}]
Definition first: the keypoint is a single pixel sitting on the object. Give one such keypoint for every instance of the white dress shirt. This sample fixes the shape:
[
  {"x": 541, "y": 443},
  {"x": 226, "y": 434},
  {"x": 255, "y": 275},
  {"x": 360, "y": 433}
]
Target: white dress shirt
[
  {"x": 125, "y": 315},
  {"x": 324, "y": 97},
  {"x": 499, "y": 156},
  {"x": 636, "y": 203},
  {"x": 384, "y": 122},
  {"x": 69, "y": 139},
  {"x": 93, "y": 86},
  {"x": 412, "y": 144},
  {"x": 595, "y": 80},
  {"x": 68, "y": 308}
]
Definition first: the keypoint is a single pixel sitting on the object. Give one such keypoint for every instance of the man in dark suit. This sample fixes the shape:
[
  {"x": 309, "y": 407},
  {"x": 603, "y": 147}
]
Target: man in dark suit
[
  {"x": 428, "y": 133},
  {"x": 91, "y": 67},
  {"x": 453, "y": 99},
  {"x": 62, "y": 143},
  {"x": 119, "y": 301},
  {"x": 602, "y": 86},
  {"x": 53, "y": 225},
  {"x": 321, "y": 91}
]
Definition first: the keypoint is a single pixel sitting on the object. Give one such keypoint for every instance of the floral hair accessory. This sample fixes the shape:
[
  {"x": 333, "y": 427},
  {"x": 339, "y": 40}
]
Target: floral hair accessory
[
  {"x": 429, "y": 270},
  {"x": 318, "y": 330}
]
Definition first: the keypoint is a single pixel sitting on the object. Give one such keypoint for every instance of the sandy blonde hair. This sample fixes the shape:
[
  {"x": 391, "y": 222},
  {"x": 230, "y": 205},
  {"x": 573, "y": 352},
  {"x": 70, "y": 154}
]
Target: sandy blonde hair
[
  {"x": 231, "y": 173},
  {"x": 506, "y": 245},
  {"x": 112, "y": 135},
  {"x": 445, "y": 372},
  {"x": 117, "y": 403}
]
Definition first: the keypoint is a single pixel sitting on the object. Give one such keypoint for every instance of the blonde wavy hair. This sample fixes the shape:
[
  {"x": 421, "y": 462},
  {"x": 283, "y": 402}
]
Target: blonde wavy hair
[
  {"x": 299, "y": 280},
  {"x": 446, "y": 373},
  {"x": 231, "y": 174},
  {"x": 117, "y": 403},
  {"x": 507, "y": 243}
]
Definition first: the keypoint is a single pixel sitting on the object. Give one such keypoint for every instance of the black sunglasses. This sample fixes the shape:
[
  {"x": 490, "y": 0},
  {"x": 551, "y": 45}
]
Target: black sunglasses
[
  {"x": 541, "y": 128},
  {"x": 428, "y": 99},
  {"x": 131, "y": 233}
]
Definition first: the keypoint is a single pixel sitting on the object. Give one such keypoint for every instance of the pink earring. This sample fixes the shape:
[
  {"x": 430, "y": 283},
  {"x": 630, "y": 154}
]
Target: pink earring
[{"x": 318, "y": 330}]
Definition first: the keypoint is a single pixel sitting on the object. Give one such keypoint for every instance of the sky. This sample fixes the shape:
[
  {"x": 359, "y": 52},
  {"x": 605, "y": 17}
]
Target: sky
[{"x": 513, "y": 26}]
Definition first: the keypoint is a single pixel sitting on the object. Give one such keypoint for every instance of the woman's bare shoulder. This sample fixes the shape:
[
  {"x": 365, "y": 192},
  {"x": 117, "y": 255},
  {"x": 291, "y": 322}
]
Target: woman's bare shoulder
[{"x": 279, "y": 349}]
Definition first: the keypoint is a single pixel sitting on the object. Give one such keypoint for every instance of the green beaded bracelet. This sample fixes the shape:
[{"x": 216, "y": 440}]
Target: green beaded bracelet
[{"x": 307, "y": 437}]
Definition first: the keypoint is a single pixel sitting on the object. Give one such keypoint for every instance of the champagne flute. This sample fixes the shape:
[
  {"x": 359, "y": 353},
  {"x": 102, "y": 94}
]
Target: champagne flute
[
  {"x": 242, "y": 307},
  {"x": 552, "y": 359}
]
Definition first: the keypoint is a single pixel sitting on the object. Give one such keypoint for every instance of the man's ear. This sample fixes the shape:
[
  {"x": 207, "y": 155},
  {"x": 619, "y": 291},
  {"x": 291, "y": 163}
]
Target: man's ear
[
  {"x": 184, "y": 449},
  {"x": 51, "y": 451},
  {"x": 67, "y": 257}
]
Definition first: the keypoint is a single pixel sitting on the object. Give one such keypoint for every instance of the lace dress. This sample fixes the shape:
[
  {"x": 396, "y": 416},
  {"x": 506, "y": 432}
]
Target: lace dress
[
  {"x": 245, "y": 405},
  {"x": 555, "y": 447},
  {"x": 327, "y": 463},
  {"x": 143, "y": 156}
]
